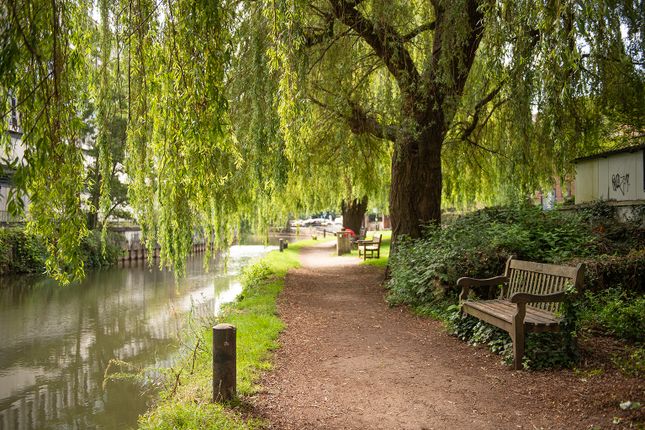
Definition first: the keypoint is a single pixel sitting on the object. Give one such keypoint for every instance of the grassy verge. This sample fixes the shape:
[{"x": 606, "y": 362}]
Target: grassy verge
[{"x": 186, "y": 400}]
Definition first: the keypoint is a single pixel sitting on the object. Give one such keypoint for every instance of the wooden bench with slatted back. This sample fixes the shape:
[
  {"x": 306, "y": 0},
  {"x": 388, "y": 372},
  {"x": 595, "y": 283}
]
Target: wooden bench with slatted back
[
  {"x": 372, "y": 246},
  {"x": 530, "y": 299}
]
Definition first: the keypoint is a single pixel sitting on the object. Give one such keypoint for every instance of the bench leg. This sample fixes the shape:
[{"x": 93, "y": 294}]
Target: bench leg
[{"x": 518, "y": 336}]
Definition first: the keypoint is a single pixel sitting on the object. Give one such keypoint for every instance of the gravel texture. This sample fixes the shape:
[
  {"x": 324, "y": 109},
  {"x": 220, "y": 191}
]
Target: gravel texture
[{"x": 348, "y": 361}]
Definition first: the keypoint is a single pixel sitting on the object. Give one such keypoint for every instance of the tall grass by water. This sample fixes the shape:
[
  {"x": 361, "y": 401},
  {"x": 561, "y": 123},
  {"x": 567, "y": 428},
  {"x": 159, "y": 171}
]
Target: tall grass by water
[{"x": 185, "y": 402}]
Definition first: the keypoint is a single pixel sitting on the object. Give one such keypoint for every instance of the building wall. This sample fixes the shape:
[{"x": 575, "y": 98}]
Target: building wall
[
  {"x": 615, "y": 177},
  {"x": 16, "y": 151}
]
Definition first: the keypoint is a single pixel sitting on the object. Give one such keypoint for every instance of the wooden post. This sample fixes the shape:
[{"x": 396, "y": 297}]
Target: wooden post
[
  {"x": 224, "y": 372},
  {"x": 281, "y": 244}
]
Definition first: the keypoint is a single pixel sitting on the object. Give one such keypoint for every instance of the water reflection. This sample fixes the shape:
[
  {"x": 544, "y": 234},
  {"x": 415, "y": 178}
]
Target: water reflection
[{"x": 56, "y": 342}]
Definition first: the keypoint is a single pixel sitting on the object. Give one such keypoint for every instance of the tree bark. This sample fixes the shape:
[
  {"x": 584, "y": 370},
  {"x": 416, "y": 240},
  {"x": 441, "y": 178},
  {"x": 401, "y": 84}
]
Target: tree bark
[
  {"x": 429, "y": 97},
  {"x": 353, "y": 213},
  {"x": 415, "y": 191}
]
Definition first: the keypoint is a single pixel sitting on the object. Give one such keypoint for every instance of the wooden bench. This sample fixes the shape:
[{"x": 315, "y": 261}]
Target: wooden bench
[
  {"x": 371, "y": 246},
  {"x": 529, "y": 301}
]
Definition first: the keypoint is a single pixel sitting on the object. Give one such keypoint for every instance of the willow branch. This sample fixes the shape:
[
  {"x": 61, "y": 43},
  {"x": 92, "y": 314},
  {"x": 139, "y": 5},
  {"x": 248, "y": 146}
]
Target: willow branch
[
  {"x": 420, "y": 29},
  {"x": 359, "y": 121},
  {"x": 467, "y": 131},
  {"x": 384, "y": 40},
  {"x": 28, "y": 96}
]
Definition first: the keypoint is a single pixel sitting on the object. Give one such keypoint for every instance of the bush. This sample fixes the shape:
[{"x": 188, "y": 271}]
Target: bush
[
  {"x": 615, "y": 312},
  {"x": 604, "y": 271},
  {"x": 424, "y": 273},
  {"x": 479, "y": 244},
  {"x": 23, "y": 253},
  {"x": 92, "y": 250},
  {"x": 20, "y": 252}
]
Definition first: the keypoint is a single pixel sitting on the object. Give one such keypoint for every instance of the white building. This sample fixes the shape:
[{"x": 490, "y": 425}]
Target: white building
[
  {"x": 616, "y": 177},
  {"x": 613, "y": 176},
  {"x": 16, "y": 151}
]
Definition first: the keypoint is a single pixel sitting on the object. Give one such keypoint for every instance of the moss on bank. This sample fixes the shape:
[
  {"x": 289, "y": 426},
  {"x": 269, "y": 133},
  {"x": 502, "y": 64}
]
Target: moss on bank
[{"x": 186, "y": 400}]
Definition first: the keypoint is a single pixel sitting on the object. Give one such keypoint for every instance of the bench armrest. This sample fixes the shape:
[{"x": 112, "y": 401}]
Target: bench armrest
[
  {"x": 467, "y": 283},
  {"x": 365, "y": 242},
  {"x": 537, "y": 298}
]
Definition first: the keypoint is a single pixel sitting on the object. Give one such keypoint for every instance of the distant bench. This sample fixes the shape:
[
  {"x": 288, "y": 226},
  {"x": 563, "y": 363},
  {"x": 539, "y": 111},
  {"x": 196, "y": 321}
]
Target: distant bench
[
  {"x": 529, "y": 301},
  {"x": 372, "y": 246}
]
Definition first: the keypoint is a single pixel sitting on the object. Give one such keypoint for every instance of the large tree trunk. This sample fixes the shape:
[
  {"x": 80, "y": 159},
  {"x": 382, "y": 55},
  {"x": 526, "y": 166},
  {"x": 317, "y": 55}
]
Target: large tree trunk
[
  {"x": 415, "y": 192},
  {"x": 430, "y": 98},
  {"x": 353, "y": 213}
]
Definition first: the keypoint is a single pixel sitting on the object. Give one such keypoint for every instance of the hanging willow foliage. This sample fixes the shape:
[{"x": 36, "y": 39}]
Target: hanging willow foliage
[
  {"x": 505, "y": 93},
  {"x": 44, "y": 65},
  {"x": 256, "y": 109},
  {"x": 182, "y": 162}
]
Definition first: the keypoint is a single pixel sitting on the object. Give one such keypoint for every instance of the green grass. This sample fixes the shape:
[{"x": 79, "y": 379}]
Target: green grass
[{"x": 187, "y": 405}]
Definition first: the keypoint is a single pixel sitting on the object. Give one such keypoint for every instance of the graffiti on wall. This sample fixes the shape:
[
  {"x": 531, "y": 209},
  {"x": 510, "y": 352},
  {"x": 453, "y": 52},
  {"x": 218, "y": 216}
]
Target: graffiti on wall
[{"x": 620, "y": 183}]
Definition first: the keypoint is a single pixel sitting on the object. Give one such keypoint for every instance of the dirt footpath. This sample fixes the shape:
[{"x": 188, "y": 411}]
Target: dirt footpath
[{"x": 348, "y": 361}]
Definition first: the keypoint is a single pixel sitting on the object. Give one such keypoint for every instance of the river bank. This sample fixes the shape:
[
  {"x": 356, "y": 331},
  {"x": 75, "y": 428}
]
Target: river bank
[
  {"x": 86, "y": 356},
  {"x": 185, "y": 402}
]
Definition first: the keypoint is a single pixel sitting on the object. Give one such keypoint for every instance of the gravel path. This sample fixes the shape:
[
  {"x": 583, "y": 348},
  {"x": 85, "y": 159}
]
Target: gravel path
[{"x": 348, "y": 361}]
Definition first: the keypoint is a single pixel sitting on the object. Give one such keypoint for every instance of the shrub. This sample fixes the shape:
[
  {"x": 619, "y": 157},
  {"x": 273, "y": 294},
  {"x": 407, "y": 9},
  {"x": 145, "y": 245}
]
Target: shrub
[
  {"x": 604, "y": 271},
  {"x": 424, "y": 273},
  {"x": 20, "y": 252},
  {"x": 23, "y": 253},
  {"x": 615, "y": 312},
  {"x": 92, "y": 249},
  {"x": 479, "y": 244}
]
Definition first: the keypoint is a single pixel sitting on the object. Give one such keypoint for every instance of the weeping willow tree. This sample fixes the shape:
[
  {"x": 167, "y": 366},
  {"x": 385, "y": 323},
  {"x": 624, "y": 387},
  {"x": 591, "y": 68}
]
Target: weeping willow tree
[
  {"x": 252, "y": 109},
  {"x": 302, "y": 162},
  {"x": 474, "y": 96},
  {"x": 183, "y": 167},
  {"x": 44, "y": 65}
]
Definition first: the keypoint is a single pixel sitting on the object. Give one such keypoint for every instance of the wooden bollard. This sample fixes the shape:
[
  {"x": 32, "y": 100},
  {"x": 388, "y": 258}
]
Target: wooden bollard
[
  {"x": 224, "y": 362},
  {"x": 281, "y": 244}
]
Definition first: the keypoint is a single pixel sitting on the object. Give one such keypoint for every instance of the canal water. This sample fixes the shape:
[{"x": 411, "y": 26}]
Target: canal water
[{"x": 56, "y": 342}]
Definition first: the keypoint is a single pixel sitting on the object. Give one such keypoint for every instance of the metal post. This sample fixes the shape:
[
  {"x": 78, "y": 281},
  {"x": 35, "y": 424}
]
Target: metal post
[
  {"x": 224, "y": 360},
  {"x": 281, "y": 244}
]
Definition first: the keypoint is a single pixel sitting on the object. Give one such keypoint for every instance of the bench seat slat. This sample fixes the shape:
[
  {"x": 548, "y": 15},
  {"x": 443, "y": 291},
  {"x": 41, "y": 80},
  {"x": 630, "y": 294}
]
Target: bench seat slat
[{"x": 505, "y": 310}]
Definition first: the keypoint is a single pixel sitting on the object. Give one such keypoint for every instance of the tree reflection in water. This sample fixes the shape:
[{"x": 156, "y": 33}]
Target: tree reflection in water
[{"x": 56, "y": 342}]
